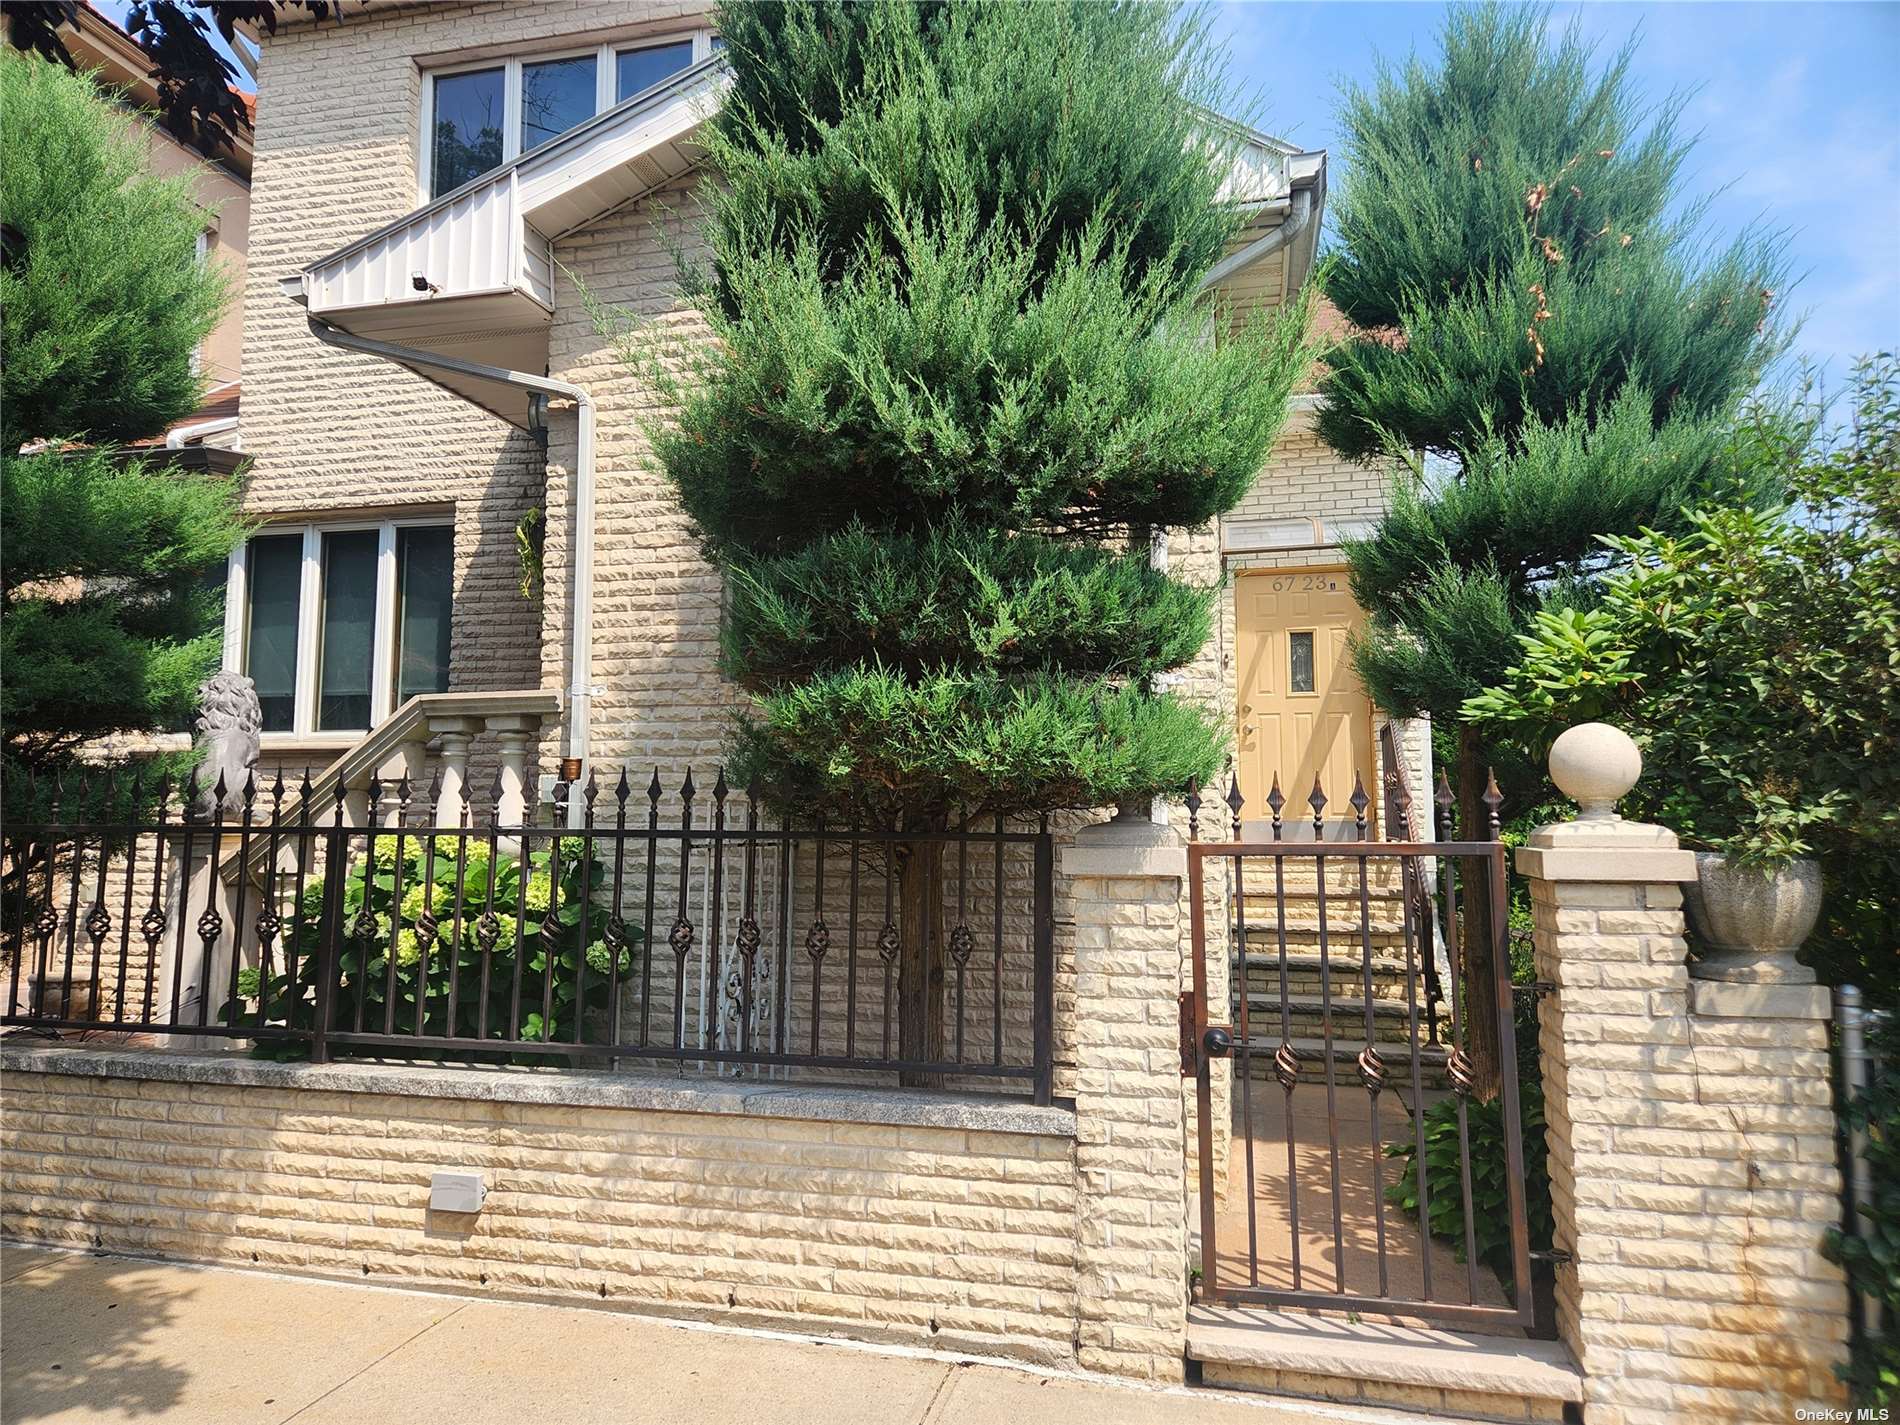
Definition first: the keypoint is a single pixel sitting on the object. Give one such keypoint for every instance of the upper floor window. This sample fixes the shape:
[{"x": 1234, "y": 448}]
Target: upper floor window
[
  {"x": 339, "y": 624},
  {"x": 479, "y": 116}
]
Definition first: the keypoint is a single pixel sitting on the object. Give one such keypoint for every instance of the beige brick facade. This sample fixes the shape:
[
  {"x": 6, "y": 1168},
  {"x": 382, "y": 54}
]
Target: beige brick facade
[{"x": 338, "y": 434}]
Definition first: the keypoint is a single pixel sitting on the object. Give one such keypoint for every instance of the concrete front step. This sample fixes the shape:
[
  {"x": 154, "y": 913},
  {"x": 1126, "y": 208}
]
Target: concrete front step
[
  {"x": 1349, "y": 938},
  {"x": 1382, "y": 883},
  {"x": 1379, "y": 1365},
  {"x": 1344, "y": 977}
]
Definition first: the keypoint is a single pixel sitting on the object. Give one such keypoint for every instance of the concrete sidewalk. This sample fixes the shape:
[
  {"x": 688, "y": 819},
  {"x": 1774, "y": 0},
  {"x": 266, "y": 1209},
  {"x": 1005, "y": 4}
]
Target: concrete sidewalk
[{"x": 97, "y": 1338}]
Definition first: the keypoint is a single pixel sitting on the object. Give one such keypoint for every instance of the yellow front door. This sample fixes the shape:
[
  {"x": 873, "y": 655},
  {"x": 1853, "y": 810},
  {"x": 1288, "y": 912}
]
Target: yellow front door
[{"x": 1302, "y": 712}]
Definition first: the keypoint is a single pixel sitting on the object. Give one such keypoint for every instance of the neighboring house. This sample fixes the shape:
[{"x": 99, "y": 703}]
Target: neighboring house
[
  {"x": 487, "y": 158},
  {"x": 221, "y": 184}
]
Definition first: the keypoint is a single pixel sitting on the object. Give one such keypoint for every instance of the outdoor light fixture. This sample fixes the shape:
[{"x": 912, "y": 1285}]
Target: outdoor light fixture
[
  {"x": 420, "y": 281},
  {"x": 538, "y": 419}
]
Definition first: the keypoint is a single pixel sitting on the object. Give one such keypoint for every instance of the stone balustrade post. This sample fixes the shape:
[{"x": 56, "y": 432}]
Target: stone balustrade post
[
  {"x": 1690, "y": 1129},
  {"x": 452, "y": 736},
  {"x": 1131, "y": 1163},
  {"x": 516, "y": 736}
]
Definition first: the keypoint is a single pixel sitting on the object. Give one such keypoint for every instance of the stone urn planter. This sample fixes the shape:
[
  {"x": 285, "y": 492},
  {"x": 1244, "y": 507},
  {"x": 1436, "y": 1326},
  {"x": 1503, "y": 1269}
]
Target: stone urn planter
[{"x": 1749, "y": 921}]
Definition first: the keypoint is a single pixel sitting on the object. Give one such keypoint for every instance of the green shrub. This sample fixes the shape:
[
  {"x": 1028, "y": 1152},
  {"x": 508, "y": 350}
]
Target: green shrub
[
  {"x": 546, "y": 910},
  {"x": 1490, "y": 1196}
]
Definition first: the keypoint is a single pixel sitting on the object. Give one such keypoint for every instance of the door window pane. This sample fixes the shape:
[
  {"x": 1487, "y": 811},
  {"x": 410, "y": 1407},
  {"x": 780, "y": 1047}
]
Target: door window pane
[
  {"x": 425, "y": 577},
  {"x": 1300, "y": 655},
  {"x": 638, "y": 69},
  {"x": 274, "y": 582},
  {"x": 556, "y": 94},
  {"x": 345, "y": 655},
  {"x": 468, "y": 127}
]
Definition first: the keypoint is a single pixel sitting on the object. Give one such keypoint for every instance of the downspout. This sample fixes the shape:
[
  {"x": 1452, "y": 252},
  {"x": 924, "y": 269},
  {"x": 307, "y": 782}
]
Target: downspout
[
  {"x": 580, "y": 693},
  {"x": 1299, "y": 215}
]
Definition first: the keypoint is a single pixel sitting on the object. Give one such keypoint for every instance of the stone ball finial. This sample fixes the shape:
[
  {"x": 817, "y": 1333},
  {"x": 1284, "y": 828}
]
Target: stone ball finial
[{"x": 1594, "y": 765}]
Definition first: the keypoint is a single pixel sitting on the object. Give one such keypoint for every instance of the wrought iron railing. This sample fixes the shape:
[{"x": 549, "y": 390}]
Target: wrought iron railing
[
  {"x": 1330, "y": 1007},
  {"x": 684, "y": 927}
]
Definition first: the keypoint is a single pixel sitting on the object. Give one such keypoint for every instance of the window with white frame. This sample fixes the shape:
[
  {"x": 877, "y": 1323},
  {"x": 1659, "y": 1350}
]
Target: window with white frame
[
  {"x": 476, "y": 117},
  {"x": 337, "y": 624}
]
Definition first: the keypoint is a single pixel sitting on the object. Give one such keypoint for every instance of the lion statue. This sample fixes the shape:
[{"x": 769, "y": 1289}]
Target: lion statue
[{"x": 230, "y": 728}]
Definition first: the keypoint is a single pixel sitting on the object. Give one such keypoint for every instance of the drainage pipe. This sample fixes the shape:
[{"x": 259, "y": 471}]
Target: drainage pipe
[{"x": 580, "y": 691}]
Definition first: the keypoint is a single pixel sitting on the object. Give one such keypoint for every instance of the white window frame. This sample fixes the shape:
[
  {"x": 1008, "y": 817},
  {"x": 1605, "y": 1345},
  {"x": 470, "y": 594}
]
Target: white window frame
[
  {"x": 511, "y": 67},
  {"x": 237, "y": 607}
]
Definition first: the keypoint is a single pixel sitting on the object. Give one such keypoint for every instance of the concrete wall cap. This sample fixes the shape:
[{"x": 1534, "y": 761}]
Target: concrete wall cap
[
  {"x": 1654, "y": 865},
  {"x": 567, "y": 1088},
  {"x": 1121, "y": 862},
  {"x": 1727, "y": 999}
]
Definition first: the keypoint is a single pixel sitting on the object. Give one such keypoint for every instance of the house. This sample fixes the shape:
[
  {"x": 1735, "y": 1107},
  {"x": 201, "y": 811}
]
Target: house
[
  {"x": 414, "y": 244},
  {"x": 467, "y": 574},
  {"x": 222, "y": 186}
]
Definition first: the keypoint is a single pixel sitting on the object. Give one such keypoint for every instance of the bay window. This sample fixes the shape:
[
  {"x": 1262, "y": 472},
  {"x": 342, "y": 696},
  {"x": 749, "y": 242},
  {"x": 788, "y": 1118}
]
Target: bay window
[
  {"x": 479, "y": 116},
  {"x": 337, "y": 624}
]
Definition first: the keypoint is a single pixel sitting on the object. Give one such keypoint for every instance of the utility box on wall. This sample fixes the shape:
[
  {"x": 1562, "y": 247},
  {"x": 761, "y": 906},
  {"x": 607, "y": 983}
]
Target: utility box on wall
[{"x": 457, "y": 1192}]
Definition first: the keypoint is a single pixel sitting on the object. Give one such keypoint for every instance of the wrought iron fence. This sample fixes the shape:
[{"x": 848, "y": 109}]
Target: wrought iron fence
[
  {"x": 685, "y": 927},
  {"x": 1334, "y": 951}
]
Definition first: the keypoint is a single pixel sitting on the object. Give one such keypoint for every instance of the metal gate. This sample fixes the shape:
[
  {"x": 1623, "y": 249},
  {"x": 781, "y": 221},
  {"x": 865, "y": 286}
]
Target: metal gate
[{"x": 1347, "y": 1029}]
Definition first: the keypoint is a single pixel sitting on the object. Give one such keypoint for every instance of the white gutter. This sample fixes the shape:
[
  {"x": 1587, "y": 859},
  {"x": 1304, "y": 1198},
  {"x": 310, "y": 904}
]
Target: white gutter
[
  {"x": 179, "y": 436},
  {"x": 1266, "y": 245},
  {"x": 580, "y": 659}
]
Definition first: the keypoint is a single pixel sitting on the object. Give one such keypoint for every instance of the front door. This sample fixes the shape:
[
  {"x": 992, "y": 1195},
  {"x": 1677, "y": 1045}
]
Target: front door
[{"x": 1302, "y": 712}]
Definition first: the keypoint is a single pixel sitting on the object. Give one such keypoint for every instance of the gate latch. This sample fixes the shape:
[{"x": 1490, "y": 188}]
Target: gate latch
[{"x": 1215, "y": 1042}]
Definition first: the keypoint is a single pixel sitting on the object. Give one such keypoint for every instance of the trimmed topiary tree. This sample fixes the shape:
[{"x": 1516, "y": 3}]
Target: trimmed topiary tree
[
  {"x": 1548, "y": 351},
  {"x": 961, "y": 369}
]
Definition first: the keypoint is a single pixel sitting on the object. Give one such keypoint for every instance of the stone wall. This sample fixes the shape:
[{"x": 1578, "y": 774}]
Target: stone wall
[{"x": 681, "y": 1197}]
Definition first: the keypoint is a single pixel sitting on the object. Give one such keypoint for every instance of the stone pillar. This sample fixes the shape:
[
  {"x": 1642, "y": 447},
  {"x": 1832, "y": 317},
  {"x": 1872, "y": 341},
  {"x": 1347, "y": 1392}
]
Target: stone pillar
[
  {"x": 1691, "y": 1135},
  {"x": 452, "y": 736},
  {"x": 1131, "y": 1153},
  {"x": 515, "y": 734}
]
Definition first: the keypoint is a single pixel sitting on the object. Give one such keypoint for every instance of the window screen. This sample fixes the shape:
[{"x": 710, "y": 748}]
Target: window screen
[
  {"x": 274, "y": 582},
  {"x": 425, "y": 577},
  {"x": 468, "y": 127},
  {"x": 346, "y": 653},
  {"x": 638, "y": 69}
]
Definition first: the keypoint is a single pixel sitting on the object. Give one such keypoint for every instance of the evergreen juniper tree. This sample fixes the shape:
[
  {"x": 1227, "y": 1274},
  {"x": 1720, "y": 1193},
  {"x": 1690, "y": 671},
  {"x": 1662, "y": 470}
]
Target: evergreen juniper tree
[
  {"x": 104, "y": 625},
  {"x": 960, "y": 369},
  {"x": 1549, "y": 349}
]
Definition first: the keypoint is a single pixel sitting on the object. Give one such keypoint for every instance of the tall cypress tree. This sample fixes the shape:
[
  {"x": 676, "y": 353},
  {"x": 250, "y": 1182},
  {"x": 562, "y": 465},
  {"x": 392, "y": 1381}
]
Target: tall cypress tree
[
  {"x": 104, "y": 624},
  {"x": 960, "y": 367},
  {"x": 1549, "y": 350}
]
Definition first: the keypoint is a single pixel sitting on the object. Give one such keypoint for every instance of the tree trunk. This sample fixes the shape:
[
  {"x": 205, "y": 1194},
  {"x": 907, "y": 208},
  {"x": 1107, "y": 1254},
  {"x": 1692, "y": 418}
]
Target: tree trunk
[
  {"x": 1479, "y": 934},
  {"x": 920, "y": 958}
]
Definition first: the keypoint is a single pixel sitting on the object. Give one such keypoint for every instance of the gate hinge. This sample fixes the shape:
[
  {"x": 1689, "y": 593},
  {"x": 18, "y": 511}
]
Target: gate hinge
[
  {"x": 1556, "y": 1256},
  {"x": 1536, "y": 989}
]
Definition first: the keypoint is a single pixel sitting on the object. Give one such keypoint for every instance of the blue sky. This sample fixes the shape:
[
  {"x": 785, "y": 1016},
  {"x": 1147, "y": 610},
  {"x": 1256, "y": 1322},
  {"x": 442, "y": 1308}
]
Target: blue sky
[{"x": 1798, "y": 107}]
